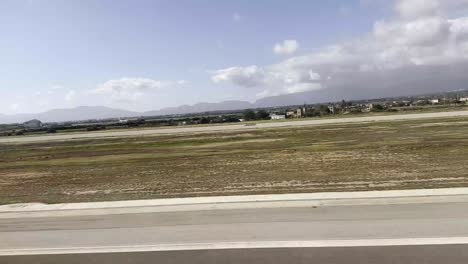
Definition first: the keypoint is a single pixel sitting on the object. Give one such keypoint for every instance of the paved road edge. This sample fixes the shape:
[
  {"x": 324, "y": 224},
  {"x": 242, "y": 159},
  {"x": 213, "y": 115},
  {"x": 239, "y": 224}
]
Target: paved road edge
[
  {"x": 242, "y": 245},
  {"x": 237, "y": 202}
]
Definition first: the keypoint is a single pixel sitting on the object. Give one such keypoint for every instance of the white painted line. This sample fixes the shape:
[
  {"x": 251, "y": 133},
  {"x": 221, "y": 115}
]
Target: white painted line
[
  {"x": 447, "y": 195},
  {"x": 421, "y": 193},
  {"x": 241, "y": 245},
  {"x": 234, "y": 206}
]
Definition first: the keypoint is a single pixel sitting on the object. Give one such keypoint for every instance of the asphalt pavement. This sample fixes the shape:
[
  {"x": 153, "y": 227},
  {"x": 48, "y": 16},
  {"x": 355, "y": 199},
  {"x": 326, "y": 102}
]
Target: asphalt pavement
[
  {"x": 423, "y": 232},
  {"x": 426, "y": 254}
]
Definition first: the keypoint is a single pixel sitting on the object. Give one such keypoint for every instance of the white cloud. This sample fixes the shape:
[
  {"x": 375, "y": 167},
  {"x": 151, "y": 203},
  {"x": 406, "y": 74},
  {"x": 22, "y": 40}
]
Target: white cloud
[
  {"x": 131, "y": 89},
  {"x": 54, "y": 89},
  {"x": 286, "y": 47},
  {"x": 303, "y": 87},
  {"x": 70, "y": 95},
  {"x": 243, "y": 76},
  {"x": 423, "y": 34},
  {"x": 236, "y": 17},
  {"x": 274, "y": 80},
  {"x": 314, "y": 76},
  {"x": 417, "y": 8}
]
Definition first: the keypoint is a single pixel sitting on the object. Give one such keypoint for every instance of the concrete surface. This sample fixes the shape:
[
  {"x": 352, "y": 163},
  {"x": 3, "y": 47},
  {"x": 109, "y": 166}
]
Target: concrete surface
[
  {"x": 442, "y": 195},
  {"x": 310, "y": 227},
  {"x": 194, "y": 129},
  {"x": 412, "y": 226},
  {"x": 427, "y": 254}
]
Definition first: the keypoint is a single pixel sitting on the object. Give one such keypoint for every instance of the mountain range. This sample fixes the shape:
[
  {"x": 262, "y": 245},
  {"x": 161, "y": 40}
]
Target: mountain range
[
  {"x": 331, "y": 94},
  {"x": 103, "y": 112}
]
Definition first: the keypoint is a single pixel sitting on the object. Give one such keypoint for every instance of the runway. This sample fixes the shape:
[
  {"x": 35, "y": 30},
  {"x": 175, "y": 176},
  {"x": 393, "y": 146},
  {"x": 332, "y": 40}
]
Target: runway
[
  {"x": 240, "y": 127},
  {"x": 450, "y": 254},
  {"x": 424, "y": 226},
  {"x": 334, "y": 226}
]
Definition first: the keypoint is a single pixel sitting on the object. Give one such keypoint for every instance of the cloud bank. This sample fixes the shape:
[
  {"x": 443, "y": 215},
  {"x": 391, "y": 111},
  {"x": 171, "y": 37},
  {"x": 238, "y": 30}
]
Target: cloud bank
[
  {"x": 132, "y": 89},
  {"x": 422, "y": 35}
]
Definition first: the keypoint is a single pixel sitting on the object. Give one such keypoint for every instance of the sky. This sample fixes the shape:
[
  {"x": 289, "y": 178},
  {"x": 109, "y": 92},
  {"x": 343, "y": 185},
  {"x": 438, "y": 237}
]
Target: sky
[{"x": 145, "y": 55}]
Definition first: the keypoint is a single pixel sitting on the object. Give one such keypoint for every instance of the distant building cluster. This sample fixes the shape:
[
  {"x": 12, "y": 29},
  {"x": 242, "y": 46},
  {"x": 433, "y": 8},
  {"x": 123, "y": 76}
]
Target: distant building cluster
[
  {"x": 277, "y": 117},
  {"x": 367, "y": 106},
  {"x": 395, "y": 104}
]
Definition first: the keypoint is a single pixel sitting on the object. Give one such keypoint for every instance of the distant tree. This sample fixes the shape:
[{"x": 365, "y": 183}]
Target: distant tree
[
  {"x": 51, "y": 130},
  {"x": 249, "y": 114},
  {"x": 312, "y": 112},
  {"x": 324, "y": 109},
  {"x": 378, "y": 107},
  {"x": 230, "y": 119},
  {"x": 262, "y": 115},
  {"x": 204, "y": 120},
  {"x": 343, "y": 103},
  {"x": 95, "y": 128}
]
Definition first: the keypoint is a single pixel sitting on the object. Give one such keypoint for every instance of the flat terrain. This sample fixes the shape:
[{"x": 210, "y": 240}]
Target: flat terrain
[
  {"x": 328, "y": 156},
  {"x": 251, "y": 125}
]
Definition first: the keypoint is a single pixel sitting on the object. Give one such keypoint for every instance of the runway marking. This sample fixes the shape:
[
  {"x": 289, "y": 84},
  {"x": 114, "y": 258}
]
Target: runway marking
[{"x": 240, "y": 245}]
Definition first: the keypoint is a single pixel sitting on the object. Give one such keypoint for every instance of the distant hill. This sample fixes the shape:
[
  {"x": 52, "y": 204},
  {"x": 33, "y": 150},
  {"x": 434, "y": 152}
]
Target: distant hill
[
  {"x": 83, "y": 113},
  {"x": 70, "y": 114},
  {"x": 202, "y": 107},
  {"x": 335, "y": 93},
  {"x": 102, "y": 112}
]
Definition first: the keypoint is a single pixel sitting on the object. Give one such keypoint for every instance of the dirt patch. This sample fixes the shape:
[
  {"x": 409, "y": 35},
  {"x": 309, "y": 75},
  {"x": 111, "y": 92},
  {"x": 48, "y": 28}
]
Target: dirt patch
[
  {"x": 440, "y": 124},
  {"x": 213, "y": 145}
]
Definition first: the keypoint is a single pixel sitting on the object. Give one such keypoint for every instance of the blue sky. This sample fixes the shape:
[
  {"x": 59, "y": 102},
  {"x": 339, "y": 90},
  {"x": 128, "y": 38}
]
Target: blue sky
[{"x": 144, "y": 55}]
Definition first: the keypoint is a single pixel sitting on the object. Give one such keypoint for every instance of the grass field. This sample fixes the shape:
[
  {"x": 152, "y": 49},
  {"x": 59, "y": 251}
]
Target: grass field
[{"x": 427, "y": 153}]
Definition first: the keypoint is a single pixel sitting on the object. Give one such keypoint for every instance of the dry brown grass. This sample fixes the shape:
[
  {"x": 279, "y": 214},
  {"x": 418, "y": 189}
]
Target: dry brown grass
[{"x": 344, "y": 157}]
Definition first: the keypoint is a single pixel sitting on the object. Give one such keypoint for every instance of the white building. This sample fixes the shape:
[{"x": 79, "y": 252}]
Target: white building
[
  {"x": 367, "y": 108},
  {"x": 277, "y": 117},
  {"x": 434, "y": 101}
]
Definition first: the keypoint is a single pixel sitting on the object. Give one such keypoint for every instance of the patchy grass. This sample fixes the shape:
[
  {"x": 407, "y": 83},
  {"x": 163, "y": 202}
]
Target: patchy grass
[{"x": 336, "y": 157}]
